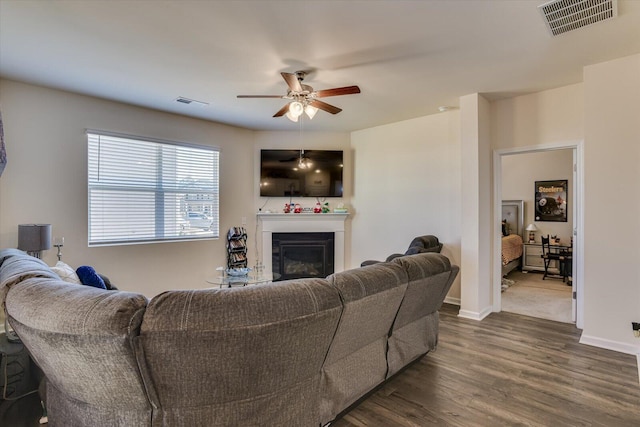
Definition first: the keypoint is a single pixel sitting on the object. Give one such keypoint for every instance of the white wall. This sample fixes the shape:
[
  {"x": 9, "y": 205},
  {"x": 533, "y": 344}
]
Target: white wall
[
  {"x": 46, "y": 181},
  {"x": 519, "y": 173},
  {"x": 550, "y": 116},
  {"x": 604, "y": 111},
  {"x": 612, "y": 198},
  {"x": 406, "y": 184}
]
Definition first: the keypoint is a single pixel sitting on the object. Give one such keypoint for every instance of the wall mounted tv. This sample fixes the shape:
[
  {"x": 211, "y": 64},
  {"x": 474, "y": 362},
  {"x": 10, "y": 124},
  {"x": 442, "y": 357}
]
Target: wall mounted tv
[{"x": 301, "y": 173}]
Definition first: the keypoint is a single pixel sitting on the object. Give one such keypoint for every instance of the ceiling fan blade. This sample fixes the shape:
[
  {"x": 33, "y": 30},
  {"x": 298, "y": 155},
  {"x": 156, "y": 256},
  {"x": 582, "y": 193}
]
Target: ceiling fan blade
[
  {"x": 281, "y": 112},
  {"x": 260, "y": 96},
  {"x": 347, "y": 90},
  {"x": 292, "y": 81},
  {"x": 324, "y": 106}
]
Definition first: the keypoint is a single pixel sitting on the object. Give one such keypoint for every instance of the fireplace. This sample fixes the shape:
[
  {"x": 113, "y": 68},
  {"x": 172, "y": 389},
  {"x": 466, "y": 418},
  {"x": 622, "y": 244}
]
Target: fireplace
[
  {"x": 297, "y": 255},
  {"x": 275, "y": 223}
]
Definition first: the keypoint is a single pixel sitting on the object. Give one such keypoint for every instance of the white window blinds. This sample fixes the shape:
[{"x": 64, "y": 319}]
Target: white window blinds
[{"x": 143, "y": 190}]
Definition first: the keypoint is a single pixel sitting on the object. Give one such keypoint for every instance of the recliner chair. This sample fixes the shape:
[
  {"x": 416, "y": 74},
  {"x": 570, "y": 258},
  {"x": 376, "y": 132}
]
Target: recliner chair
[{"x": 418, "y": 245}]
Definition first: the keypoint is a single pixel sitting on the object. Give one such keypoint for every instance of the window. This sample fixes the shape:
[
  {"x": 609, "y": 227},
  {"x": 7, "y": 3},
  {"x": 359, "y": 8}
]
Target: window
[{"x": 143, "y": 190}]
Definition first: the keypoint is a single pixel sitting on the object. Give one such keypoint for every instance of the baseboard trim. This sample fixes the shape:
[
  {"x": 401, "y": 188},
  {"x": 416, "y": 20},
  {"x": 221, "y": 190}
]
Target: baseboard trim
[
  {"x": 610, "y": 345},
  {"x": 474, "y": 315},
  {"x": 452, "y": 301}
]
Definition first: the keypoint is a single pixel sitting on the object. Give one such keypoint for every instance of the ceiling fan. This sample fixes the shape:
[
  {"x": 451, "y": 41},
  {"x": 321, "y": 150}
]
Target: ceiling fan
[{"x": 304, "y": 99}]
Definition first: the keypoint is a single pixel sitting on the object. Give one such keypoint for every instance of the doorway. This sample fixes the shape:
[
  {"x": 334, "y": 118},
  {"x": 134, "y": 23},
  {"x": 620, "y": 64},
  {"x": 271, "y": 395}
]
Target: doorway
[{"x": 574, "y": 152}]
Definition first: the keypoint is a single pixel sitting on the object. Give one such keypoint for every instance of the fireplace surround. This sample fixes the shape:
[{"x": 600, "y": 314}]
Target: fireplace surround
[{"x": 303, "y": 223}]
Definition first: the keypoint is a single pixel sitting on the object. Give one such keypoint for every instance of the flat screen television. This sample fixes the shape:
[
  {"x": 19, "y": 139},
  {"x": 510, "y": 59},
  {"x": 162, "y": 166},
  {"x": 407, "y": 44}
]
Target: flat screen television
[{"x": 301, "y": 173}]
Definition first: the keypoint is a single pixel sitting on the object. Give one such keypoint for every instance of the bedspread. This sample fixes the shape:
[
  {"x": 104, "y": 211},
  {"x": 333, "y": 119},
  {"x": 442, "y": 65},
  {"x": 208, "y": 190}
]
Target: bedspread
[{"x": 511, "y": 248}]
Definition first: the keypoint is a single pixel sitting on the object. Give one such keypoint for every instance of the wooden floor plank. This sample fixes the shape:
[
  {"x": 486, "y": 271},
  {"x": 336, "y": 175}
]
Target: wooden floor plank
[{"x": 507, "y": 370}]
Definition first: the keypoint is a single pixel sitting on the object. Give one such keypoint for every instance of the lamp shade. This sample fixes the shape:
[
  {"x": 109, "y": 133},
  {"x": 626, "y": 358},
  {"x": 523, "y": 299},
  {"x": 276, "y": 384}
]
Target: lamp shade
[
  {"x": 531, "y": 227},
  {"x": 296, "y": 108},
  {"x": 291, "y": 117},
  {"x": 34, "y": 237},
  {"x": 310, "y": 111}
]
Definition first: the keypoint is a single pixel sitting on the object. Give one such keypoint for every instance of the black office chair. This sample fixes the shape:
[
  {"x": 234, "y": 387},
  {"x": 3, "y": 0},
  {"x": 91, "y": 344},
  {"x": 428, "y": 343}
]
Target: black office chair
[{"x": 563, "y": 258}]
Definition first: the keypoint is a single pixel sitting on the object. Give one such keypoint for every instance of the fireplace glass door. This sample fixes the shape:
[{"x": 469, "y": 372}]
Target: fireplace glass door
[{"x": 298, "y": 255}]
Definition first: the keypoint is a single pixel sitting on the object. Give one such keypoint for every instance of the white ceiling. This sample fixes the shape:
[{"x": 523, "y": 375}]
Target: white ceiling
[{"x": 408, "y": 57}]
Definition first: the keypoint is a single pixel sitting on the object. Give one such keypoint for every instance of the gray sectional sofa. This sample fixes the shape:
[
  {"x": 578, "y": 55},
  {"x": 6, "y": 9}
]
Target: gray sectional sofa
[{"x": 292, "y": 353}]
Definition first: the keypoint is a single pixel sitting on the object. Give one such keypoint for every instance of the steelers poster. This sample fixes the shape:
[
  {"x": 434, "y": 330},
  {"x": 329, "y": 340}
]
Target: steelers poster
[{"x": 551, "y": 200}]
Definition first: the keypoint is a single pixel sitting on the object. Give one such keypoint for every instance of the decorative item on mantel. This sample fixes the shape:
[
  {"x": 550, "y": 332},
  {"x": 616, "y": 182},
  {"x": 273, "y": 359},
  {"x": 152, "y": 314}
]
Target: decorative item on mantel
[
  {"x": 325, "y": 208},
  {"x": 317, "y": 208},
  {"x": 340, "y": 209}
]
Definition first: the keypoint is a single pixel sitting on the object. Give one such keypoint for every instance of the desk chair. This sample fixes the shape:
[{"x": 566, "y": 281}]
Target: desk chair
[{"x": 564, "y": 260}]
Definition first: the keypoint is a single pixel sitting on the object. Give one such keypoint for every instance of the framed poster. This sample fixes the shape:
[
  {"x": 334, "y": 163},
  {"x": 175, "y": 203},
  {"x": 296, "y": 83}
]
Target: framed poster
[{"x": 551, "y": 200}]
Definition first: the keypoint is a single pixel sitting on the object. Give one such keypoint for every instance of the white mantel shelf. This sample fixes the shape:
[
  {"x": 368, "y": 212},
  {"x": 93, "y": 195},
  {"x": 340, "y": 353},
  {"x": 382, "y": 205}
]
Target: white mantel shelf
[
  {"x": 303, "y": 223},
  {"x": 306, "y": 215}
]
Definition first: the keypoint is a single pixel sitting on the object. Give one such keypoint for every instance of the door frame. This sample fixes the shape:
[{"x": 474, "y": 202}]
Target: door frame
[{"x": 578, "y": 220}]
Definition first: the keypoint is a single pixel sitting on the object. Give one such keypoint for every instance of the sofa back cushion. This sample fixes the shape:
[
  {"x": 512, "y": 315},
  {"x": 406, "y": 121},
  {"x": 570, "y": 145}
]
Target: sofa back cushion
[
  {"x": 415, "y": 329},
  {"x": 81, "y": 337},
  {"x": 356, "y": 362},
  {"x": 240, "y": 356}
]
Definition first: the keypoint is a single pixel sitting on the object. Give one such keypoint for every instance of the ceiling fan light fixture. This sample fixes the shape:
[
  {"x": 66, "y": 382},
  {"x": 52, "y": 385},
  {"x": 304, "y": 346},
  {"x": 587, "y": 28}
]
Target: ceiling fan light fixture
[
  {"x": 302, "y": 97},
  {"x": 291, "y": 117},
  {"x": 296, "y": 108},
  {"x": 310, "y": 111}
]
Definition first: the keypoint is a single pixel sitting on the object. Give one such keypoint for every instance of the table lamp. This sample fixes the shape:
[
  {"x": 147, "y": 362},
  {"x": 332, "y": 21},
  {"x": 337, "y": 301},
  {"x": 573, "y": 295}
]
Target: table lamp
[
  {"x": 531, "y": 228},
  {"x": 34, "y": 238}
]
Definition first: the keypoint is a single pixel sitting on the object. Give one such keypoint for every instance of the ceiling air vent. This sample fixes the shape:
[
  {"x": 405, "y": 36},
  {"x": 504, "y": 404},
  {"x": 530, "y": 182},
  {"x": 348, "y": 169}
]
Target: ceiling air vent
[
  {"x": 183, "y": 100},
  {"x": 562, "y": 16}
]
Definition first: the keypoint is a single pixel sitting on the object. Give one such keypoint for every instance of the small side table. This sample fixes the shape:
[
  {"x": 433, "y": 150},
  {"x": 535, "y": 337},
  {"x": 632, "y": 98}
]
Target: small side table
[
  {"x": 532, "y": 259},
  {"x": 19, "y": 379}
]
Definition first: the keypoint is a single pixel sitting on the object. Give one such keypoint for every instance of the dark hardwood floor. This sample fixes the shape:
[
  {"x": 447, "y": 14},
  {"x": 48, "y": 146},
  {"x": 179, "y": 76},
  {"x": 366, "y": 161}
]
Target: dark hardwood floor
[{"x": 507, "y": 370}]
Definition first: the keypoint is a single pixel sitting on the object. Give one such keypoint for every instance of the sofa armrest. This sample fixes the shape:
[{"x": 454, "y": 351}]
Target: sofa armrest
[
  {"x": 369, "y": 262},
  {"x": 393, "y": 256}
]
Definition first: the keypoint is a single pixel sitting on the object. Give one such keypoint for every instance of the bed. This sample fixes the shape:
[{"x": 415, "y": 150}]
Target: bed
[{"x": 512, "y": 235}]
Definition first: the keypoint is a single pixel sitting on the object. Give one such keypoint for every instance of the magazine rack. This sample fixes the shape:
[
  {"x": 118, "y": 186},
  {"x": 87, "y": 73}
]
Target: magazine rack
[{"x": 237, "y": 248}]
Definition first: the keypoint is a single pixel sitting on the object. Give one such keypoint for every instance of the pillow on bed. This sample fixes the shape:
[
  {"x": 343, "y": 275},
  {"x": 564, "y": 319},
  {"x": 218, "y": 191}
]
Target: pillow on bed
[{"x": 506, "y": 230}]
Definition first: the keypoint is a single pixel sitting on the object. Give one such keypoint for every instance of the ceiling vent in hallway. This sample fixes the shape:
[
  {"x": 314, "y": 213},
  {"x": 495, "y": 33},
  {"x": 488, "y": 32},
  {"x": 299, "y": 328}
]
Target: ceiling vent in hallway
[{"x": 562, "y": 16}]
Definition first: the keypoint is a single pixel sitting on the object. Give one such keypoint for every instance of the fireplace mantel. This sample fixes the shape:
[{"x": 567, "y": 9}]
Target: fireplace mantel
[{"x": 300, "y": 223}]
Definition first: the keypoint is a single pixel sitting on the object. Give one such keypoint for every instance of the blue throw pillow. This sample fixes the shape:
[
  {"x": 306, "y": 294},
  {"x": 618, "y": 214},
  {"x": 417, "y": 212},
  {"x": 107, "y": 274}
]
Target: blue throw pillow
[{"x": 89, "y": 277}]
